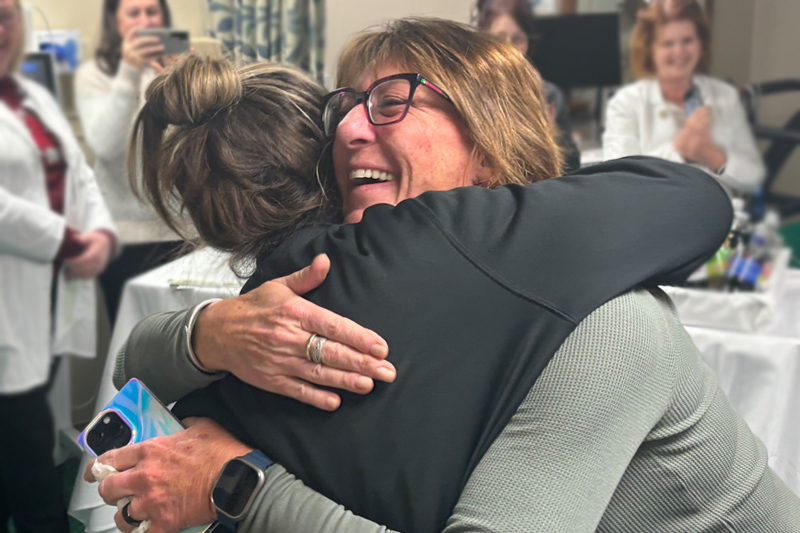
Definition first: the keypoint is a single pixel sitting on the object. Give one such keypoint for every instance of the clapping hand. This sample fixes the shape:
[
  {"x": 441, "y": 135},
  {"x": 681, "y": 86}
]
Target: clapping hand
[{"x": 695, "y": 142}]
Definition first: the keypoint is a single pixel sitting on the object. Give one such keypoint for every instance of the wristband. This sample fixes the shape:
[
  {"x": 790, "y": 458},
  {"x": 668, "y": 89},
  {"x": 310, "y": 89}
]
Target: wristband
[{"x": 189, "y": 331}]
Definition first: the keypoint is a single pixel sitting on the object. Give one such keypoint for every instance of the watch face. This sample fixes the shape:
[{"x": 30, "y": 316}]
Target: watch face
[{"x": 234, "y": 488}]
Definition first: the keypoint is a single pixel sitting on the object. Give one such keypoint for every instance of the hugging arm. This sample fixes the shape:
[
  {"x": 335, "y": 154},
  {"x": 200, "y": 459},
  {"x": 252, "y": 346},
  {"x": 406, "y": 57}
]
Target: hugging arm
[
  {"x": 557, "y": 463},
  {"x": 559, "y": 460},
  {"x": 572, "y": 243},
  {"x": 261, "y": 338}
]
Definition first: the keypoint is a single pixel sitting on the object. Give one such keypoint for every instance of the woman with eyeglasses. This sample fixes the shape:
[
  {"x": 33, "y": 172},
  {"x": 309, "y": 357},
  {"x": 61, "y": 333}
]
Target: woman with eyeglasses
[
  {"x": 529, "y": 397},
  {"x": 56, "y": 236}
]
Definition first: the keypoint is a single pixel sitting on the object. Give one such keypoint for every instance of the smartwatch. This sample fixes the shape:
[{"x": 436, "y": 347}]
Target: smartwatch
[{"x": 237, "y": 486}]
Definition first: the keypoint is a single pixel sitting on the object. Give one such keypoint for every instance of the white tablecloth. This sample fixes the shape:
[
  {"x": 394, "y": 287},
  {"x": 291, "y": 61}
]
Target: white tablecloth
[
  {"x": 759, "y": 373},
  {"x": 185, "y": 282}
]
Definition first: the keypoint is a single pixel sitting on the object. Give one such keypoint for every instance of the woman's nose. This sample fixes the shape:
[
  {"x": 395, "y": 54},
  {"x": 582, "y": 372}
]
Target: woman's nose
[{"x": 355, "y": 127}]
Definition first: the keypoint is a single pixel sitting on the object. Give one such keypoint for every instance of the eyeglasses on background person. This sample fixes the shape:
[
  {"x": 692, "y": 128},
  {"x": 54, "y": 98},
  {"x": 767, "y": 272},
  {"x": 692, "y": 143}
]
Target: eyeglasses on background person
[{"x": 387, "y": 99}]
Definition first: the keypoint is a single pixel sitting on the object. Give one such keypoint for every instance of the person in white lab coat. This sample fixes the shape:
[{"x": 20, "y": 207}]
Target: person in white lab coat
[
  {"x": 675, "y": 112},
  {"x": 56, "y": 235},
  {"x": 109, "y": 91}
]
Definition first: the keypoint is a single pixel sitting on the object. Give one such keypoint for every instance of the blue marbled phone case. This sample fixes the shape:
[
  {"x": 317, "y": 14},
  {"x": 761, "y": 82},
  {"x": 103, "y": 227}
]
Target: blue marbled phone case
[{"x": 145, "y": 415}]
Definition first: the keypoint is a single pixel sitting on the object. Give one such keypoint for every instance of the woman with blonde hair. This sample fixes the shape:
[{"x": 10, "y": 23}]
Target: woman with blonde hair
[
  {"x": 676, "y": 111},
  {"x": 56, "y": 236},
  {"x": 523, "y": 401}
]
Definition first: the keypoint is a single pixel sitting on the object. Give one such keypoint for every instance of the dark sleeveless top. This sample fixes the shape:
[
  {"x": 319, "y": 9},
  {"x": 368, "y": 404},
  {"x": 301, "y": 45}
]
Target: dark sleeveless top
[{"x": 474, "y": 290}]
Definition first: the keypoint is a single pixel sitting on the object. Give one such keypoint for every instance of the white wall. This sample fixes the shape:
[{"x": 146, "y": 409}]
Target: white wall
[
  {"x": 759, "y": 40},
  {"x": 346, "y": 17}
]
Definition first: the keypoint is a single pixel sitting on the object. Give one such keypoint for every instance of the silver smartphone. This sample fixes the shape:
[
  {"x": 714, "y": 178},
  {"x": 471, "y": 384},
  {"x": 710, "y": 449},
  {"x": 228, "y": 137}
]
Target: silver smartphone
[{"x": 175, "y": 42}]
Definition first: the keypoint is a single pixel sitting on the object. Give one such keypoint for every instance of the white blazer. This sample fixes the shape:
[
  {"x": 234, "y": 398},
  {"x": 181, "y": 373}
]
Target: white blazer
[
  {"x": 30, "y": 236},
  {"x": 640, "y": 122}
]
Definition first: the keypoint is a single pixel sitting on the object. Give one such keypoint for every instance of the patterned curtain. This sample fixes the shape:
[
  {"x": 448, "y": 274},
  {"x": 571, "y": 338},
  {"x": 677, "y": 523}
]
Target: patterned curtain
[{"x": 283, "y": 31}]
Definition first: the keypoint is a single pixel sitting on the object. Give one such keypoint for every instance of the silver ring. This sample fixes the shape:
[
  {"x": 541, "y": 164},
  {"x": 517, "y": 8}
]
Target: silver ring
[
  {"x": 127, "y": 517},
  {"x": 316, "y": 349}
]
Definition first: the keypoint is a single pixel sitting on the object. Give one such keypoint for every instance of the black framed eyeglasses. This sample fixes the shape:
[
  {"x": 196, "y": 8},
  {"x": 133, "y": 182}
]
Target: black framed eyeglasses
[{"x": 387, "y": 100}]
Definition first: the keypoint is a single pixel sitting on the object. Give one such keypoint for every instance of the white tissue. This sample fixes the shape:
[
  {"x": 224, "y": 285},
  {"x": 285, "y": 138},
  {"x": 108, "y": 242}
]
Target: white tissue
[{"x": 101, "y": 472}]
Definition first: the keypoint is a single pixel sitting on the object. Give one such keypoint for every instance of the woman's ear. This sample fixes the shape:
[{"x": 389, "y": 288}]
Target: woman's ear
[{"x": 484, "y": 175}]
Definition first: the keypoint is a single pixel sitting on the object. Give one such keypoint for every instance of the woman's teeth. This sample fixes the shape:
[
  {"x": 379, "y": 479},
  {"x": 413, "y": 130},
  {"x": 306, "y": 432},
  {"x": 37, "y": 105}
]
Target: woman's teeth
[{"x": 374, "y": 175}]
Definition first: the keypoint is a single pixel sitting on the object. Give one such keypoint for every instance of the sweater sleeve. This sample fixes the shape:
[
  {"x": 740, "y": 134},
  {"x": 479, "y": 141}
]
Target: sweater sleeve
[
  {"x": 557, "y": 463},
  {"x": 107, "y": 108},
  {"x": 157, "y": 355},
  {"x": 559, "y": 460}
]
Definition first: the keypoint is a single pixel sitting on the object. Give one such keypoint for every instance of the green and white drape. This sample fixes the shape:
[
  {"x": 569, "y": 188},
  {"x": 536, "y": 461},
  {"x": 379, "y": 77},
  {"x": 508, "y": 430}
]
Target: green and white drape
[{"x": 285, "y": 31}]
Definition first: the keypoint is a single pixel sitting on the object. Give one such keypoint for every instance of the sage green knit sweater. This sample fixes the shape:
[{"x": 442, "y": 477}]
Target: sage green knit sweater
[{"x": 626, "y": 430}]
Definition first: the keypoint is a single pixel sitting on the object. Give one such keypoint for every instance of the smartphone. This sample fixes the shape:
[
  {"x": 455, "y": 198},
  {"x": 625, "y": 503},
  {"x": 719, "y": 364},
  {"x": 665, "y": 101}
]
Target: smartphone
[
  {"x": 175, "y": 42},
  {"x": 693, "y": 100},
  {"x": 133, "y": 415}
]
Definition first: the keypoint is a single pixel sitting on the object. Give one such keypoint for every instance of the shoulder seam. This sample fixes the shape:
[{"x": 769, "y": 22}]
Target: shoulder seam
[{"x": 494, "y": 276}]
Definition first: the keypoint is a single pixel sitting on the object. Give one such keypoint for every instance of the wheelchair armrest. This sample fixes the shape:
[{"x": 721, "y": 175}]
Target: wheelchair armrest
[{"x": 776, "y": 134}]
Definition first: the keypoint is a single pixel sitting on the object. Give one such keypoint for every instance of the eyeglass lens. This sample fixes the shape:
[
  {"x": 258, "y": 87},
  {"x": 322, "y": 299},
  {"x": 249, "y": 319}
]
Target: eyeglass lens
[{"x": 388, "y": 102}]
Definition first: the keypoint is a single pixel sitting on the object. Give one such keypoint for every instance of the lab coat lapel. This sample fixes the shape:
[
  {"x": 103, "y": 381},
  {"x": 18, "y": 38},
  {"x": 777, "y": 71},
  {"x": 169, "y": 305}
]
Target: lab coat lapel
[{"x": 663, "y": 127}]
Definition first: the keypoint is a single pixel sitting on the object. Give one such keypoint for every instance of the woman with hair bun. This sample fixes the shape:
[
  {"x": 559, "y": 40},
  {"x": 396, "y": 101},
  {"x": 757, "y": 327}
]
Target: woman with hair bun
[
  {"x": 676, "y": 111},
  {"x": 535, "y": 391}
]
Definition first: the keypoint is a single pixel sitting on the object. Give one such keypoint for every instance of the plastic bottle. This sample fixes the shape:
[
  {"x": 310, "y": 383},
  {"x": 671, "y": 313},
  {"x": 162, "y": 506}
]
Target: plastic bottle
[{"x": 739, "y": 237}]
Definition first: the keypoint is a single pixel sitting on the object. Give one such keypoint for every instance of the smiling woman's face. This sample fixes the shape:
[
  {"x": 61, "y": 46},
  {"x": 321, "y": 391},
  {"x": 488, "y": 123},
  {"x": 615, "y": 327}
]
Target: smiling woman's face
[
  {"x": 10, "y": 38},
  {"x": 676, "y": 50},
  {"x": 138, "y": 13},
  {"x": 427, "y": 151}
]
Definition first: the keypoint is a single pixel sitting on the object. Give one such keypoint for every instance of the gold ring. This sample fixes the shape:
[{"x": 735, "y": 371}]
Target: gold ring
[{"x": 308, "y": 345}]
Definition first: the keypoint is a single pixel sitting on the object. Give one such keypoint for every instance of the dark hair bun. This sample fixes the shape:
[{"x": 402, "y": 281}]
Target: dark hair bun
[{"x": 194, "y": 91}]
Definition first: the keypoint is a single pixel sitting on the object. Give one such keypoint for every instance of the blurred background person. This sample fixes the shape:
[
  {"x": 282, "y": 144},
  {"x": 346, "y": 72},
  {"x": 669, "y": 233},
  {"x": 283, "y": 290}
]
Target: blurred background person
[
  {"x": 514, "y": 21},
  {"x": 674, "y": 111},
  {"x": 56, "y": 235},
  {"x": 109, "y": 91}
]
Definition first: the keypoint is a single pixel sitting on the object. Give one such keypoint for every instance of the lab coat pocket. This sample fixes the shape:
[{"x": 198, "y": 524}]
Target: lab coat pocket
[{"x": 75, "y": 331}]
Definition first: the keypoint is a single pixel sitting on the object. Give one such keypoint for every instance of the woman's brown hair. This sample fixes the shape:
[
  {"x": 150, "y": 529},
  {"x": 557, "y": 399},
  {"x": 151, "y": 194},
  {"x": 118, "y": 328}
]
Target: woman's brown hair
[
  {"x": 656, "y": 15},
  {"x": 493, "y": 87},
  {"x": 235, "y": 148},
  {"x": 109, "y": 52}
]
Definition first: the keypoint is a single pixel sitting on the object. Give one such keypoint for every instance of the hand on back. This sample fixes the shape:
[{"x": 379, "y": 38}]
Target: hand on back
[{"x": 262, "y": 338}]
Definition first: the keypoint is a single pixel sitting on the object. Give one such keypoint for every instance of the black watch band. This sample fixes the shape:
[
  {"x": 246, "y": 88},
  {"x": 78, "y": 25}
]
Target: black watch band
[{"x": 237, "y": 486}]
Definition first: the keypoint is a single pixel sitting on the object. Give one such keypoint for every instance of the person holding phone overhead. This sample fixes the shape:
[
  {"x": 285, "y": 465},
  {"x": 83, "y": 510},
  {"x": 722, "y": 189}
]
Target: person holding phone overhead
[
  {"x": 674, "y": 111},
  {"x": 109, "y": 92}
]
